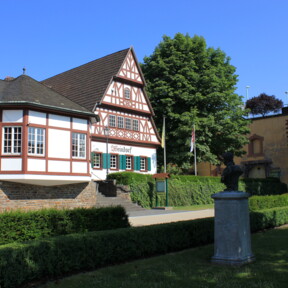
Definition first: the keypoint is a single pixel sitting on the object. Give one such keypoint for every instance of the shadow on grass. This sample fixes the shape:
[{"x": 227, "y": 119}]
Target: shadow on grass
[{"x": 192, "y": 268}]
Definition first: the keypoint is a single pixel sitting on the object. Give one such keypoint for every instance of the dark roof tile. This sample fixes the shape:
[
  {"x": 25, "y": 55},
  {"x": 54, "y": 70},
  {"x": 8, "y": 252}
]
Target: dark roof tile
[
  {"x": 26, "y": 90},
  {"x": 87, "y": 83}
]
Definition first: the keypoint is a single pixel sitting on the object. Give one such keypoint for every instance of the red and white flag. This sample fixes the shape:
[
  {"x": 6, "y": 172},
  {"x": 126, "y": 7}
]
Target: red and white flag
[{"x": 192, "y": 140}]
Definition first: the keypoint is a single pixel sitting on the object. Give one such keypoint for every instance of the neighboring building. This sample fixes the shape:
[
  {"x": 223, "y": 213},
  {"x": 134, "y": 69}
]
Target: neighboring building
[
  {"x": 267, "y": 150},
  {"x": 53, "y": 138}
]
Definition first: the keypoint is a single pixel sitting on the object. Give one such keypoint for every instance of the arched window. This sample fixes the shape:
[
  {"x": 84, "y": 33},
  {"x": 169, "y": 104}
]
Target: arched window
[
  {"x": 255, "y": 146},
  {"x": 127, "y": 93}
]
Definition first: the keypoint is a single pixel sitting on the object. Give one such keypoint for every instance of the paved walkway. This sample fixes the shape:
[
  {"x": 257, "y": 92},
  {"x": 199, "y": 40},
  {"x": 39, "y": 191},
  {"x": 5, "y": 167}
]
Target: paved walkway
[{"x": 156, "y": 216}]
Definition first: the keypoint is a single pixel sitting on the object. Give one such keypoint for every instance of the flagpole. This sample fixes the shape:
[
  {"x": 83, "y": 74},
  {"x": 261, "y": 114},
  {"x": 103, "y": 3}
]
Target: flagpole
[
  {"x": 195, "y": 157},
  {"x": 164, "y": 142}
]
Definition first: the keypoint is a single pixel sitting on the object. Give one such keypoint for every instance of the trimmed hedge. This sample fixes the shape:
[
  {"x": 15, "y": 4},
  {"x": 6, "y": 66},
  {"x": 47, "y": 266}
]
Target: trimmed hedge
[
  {"x": 60, "y": 255},
  {"x": 128, "y": 178},
  {"x": 185, "y": 190},
  {"x": 23, "y": 226},
  {"x": 266, "y": 202},
  {"x": 268, "y": 218}
]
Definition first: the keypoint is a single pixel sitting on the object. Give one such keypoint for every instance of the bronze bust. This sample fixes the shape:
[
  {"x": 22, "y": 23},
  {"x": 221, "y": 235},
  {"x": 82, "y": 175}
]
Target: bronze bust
[{"x": 231, "y": 173}]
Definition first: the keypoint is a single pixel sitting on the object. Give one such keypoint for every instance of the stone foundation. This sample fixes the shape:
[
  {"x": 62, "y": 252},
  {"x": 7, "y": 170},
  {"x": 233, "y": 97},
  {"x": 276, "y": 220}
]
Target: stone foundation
[{"x": 32, "y": 197}]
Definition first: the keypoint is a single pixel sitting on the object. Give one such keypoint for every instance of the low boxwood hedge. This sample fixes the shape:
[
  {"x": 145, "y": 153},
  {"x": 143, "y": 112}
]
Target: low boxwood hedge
[
  {"x": 24, "y": 262},
  {"x": 22, "y": 226},
  {"x": 266, "y": 202}
]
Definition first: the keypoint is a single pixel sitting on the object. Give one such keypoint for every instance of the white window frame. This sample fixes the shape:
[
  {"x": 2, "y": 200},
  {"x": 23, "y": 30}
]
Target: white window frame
[
  {"x": 128, "y": 124},
  {"x": 120, "y": 122},
  {"x": 113, "y": 161},
  {"x": 129, "y": 162},
  {"x": 143, "y": 164},
  {"x": 127, "y": 93},
  {"x": 14, "y": 148},
  {"x": 135, "y": 125},
  {"x": 78, "y": 145},
  {"x": 112, "y": 121},
  {"x": 36, "y": 141},
  {"x": 97, "y": 160}
]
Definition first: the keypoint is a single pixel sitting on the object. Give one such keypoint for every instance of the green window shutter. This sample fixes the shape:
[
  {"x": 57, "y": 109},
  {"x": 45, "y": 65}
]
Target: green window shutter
[
  {"x": 92, "y": 159},
  {"x": 137, "y": 163},
  {"x": 149, "y": 163},
  {"x": 122, "y": 162},
  {"x": 106, "y": 157}
]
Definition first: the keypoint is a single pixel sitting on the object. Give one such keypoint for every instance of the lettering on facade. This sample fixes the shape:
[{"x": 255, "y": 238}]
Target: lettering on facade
[{"x": 123, "y": 149}]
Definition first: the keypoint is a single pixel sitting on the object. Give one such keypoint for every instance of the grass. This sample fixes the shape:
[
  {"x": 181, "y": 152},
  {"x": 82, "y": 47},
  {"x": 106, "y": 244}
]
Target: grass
[
  {"x": 192, "y": 268},
  {"x": 195, "y": 207}
]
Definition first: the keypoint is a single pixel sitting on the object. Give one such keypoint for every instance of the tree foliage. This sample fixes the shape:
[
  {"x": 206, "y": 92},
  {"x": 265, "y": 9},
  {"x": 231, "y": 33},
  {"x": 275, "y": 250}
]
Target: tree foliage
[
  {"x": 192, "y": 84},
  {"x": 264, "y": 104}
]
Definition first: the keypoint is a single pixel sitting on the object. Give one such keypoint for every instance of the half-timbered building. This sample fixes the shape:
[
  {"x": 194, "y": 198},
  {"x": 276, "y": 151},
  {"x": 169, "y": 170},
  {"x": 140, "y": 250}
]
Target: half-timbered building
[
  {"x": 60, "y": 135},
  {"x": 113, "y": 88}
]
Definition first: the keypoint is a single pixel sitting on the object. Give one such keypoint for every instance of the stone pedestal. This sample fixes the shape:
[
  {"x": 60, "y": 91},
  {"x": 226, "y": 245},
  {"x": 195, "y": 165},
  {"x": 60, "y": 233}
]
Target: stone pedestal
[{"x": 232, "y": 244}]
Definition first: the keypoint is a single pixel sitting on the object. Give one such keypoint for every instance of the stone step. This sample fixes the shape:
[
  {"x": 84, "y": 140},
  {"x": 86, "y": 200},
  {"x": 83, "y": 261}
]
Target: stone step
[{"x": 128, "y": 205}]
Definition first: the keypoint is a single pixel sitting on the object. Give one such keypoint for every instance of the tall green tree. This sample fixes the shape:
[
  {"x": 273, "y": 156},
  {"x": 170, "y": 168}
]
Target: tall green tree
[{"x": 189, "y": 83}]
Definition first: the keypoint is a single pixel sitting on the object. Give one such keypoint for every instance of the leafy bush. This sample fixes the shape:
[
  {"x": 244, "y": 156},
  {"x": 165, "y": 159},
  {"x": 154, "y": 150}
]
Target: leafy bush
[
  {"x": 185, "y": 190},
  {"x": 59, "y": 255},
  {"x": 267, "y": 186},
  {"x": 22, "y": 226},
  {"x": 128, "y": 178},
  {"x": 268, "y": 218},
  {"x": 75, "y": 252},
  {"x": 266, "y": 202}
]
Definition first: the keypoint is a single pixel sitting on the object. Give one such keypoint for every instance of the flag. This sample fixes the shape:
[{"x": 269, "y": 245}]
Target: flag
[
  {"x": 163, "y": 134},
  {"x": 192, "y": 140}
]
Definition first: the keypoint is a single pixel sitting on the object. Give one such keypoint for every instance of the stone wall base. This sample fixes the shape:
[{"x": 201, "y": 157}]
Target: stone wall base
[{"x": 33, "y": 197}]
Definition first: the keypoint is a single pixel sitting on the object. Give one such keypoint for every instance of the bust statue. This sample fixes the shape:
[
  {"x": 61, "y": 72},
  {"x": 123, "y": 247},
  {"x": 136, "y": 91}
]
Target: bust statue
[{"x": 231, "y": 173}]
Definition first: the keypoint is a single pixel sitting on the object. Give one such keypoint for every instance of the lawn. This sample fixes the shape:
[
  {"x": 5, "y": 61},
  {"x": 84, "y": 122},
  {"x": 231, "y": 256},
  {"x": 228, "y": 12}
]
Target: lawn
[{"x": 192, "y": 268}]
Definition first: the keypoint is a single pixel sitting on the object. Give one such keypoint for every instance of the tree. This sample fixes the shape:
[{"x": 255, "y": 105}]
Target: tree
[
  {"x": 264, "y": 104},
  {"x": 192, "y": 84}
]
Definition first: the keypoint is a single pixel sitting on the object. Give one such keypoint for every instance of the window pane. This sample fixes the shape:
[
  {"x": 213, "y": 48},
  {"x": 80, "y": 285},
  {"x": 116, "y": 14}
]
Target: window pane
[
  {"x": 128, "y": 123},
  {"x": 142, "y": 163},
  {"x": 120, "y": 122},
  {"x": 12, "y": 141},
  {"x": 78, "y": 145},
  {"x": 112, "y": 120},
  {"x": 127, "y": 93},
  {"x": 135, "y": 125}
]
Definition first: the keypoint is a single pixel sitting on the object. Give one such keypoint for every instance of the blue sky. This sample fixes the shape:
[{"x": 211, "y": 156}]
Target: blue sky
[{"x": 50, "y": 37}]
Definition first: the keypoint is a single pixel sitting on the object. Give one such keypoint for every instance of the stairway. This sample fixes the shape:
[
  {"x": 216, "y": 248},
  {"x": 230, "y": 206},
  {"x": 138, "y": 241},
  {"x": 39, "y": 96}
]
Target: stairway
[{"x": 129, "y": 206}]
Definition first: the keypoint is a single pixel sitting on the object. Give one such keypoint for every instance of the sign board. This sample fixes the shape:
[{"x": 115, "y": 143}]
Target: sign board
[{"x": 160, "y": 186}]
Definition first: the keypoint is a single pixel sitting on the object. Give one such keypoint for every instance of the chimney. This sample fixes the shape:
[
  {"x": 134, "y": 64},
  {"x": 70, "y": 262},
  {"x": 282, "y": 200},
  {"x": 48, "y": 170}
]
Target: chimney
[{"x": 9, "y": 78}]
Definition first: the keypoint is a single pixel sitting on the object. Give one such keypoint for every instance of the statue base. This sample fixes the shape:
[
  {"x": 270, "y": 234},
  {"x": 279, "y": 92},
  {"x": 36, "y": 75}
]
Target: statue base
[{"x": 232, "y": 236}]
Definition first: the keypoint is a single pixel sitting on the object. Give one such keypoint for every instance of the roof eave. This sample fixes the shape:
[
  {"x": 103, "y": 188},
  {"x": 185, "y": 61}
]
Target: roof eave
[{"x": 39, "y": 105}]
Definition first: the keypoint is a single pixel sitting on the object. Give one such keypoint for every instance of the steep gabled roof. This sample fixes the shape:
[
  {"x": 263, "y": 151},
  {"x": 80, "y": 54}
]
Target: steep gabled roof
[
  {"x": 87, "y": 83},
  {"x": 24, "y": 90}
]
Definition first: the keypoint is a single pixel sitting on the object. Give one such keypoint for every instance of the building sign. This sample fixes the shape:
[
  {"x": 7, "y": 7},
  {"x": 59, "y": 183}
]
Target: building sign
[{"x": 121, "y": 149}]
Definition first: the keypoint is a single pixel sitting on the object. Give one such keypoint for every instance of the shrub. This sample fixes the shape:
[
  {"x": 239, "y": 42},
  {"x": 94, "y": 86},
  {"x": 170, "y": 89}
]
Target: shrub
[
  {"x": 128, "y": 178},
  {"x": 75, "y": 252},
  {"x": 185, "y": 190},
  {"x": 22, "y": 226},
  {"x": 266, "y": 202},
  {"x": 268, "y": 218},
  {"x": 59, "y": 255}
]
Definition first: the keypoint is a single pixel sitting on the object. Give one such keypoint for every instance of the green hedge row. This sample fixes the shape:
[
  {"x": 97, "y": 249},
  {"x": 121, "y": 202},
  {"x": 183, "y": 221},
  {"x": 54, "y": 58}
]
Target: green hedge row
[
  {"x": 21, "y": 263},
  {"x": 268, "y": 218},
  {"x": 22, "y": 226},
  {"x": 266, "y": 202},
  {"x": 187, "y": 190},
  {"x": 75, "y": 252}
]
